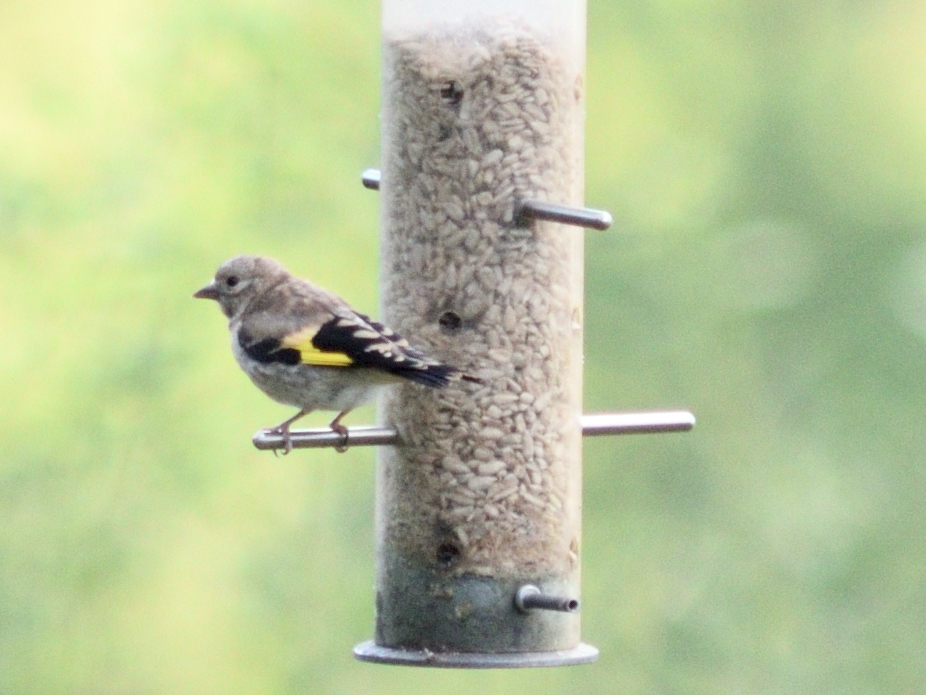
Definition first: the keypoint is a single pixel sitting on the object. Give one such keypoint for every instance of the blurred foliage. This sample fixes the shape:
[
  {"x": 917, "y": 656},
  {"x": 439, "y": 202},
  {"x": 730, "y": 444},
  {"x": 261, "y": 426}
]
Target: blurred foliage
[{"x": 766, "y": 165}]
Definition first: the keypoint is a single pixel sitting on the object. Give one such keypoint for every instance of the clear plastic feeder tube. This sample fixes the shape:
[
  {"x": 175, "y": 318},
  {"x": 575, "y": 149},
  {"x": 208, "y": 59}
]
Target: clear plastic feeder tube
[{"x": 482, "y": 109}]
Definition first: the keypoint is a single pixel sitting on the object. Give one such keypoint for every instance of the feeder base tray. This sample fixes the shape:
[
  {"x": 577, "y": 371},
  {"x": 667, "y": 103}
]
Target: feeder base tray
[{"x": 370, "y": 651}]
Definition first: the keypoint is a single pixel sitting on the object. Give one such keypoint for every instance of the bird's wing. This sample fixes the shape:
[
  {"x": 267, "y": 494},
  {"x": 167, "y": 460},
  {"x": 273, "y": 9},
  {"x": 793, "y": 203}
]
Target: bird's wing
[{"x": 341, "y": 338}]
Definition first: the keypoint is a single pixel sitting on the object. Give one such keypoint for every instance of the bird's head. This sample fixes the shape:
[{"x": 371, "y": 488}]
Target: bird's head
[{"x": 241, "y": 279}]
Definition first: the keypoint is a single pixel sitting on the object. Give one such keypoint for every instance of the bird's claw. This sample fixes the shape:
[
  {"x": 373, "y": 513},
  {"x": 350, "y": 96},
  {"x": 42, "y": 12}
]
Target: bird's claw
[
  {"x": 287, "y": 439},
  {"x": 343, "y": 445}
]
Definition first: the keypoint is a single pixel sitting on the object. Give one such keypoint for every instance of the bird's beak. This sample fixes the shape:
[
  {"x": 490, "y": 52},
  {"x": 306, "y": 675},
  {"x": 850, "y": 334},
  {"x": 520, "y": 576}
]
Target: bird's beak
[{"x": 210, "y": 291}]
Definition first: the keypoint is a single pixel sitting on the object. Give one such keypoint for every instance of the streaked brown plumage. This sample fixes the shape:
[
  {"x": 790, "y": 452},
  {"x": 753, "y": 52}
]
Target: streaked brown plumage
[{"x": 304, "y": 346}]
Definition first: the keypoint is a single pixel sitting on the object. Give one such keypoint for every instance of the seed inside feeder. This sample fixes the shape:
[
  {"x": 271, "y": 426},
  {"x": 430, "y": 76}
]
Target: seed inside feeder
[{"x": 497, "y": 466}]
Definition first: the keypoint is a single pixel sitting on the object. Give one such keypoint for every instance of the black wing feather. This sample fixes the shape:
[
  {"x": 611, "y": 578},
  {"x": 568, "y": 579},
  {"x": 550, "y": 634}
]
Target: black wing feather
[
  {"x": 373, "y": 345},
  {"x": 267, "y": 350}
]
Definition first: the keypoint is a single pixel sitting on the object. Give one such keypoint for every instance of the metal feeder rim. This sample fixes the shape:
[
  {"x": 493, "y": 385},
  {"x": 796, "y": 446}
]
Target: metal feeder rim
[{"x": 371, "y": 652}]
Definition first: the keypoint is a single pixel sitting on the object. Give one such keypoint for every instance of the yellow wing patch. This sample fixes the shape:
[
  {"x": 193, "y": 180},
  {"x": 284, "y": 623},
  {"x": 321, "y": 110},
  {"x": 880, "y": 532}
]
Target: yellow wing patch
[{"x": 302, "y": 341}]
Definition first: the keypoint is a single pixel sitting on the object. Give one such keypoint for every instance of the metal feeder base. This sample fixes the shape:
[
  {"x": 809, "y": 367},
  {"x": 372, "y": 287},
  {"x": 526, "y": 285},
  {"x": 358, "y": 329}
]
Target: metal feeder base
[{"x": 370, "y": 651}]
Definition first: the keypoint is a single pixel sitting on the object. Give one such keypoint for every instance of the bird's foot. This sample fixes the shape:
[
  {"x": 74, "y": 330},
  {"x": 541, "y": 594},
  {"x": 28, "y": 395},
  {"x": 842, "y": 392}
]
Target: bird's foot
[
  {"x": 283, "y": 431},
  {"x": 343, "y": 445}
]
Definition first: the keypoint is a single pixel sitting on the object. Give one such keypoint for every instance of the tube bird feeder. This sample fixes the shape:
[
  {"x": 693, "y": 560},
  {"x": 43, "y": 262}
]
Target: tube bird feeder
[
  {"x": 482, "y": 112},
  {"x": 478, "y": 503}
]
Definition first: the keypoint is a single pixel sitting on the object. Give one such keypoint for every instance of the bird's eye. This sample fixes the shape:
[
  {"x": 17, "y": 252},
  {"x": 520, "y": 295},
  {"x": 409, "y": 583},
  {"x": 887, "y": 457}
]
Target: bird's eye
[{"x": 231, "y": 280}]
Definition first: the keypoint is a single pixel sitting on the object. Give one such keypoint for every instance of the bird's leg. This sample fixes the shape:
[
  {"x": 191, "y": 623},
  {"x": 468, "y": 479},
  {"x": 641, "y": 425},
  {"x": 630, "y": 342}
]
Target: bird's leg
[
  {"x": 336, "y": 425},
  {"x": 283, "y": 429}
]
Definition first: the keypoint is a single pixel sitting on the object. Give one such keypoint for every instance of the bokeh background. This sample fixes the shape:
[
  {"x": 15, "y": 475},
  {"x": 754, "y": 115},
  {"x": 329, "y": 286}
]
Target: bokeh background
[{"x": 765, "y": 161}]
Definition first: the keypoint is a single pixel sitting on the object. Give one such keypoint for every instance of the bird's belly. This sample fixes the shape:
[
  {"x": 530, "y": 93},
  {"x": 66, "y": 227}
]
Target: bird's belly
[{"x": 313, "y": 388}]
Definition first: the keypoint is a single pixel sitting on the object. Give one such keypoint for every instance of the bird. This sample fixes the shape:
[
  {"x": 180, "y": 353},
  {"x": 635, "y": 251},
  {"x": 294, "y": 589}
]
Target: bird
[{"x": 305, "y": 347}]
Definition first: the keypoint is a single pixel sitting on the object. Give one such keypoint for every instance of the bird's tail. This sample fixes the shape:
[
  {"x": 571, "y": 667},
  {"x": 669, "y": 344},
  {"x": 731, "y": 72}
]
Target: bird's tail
[{"x": 435, "y": 375}]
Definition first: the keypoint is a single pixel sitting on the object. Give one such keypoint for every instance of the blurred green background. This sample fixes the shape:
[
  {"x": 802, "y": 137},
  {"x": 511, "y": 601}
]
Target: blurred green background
[{"x": 765, "y": 161}]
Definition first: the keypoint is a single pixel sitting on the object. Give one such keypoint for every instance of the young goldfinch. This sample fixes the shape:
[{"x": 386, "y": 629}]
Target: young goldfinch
[{"x": 305, "y": 347}]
